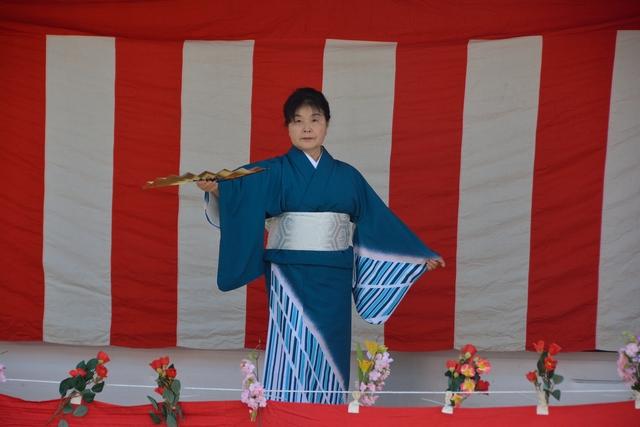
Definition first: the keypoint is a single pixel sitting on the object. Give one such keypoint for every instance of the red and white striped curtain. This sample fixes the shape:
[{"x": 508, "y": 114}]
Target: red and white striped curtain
[{"x": 506, "y": 134}]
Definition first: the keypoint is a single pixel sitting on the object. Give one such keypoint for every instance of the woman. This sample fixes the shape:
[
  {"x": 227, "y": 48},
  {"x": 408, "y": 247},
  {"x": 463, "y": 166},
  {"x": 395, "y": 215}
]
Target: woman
[{"x": 330, "y": 236}]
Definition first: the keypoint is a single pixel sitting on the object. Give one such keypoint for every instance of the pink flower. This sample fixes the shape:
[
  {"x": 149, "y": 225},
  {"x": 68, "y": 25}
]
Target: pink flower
[
  {"x": 247, "y": 367},
  {"x": 631, "y": 349},
  {"x": 625, "y": 371},
  {"x": 374, "y": 375},
  {"x": 467, "y": 370},
  {"x": 2, "y": 377}
]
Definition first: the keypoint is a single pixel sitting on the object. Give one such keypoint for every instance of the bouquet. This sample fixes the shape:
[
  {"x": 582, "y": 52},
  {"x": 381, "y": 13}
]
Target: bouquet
[
  {"x": 464, "y": 375},
  {"x": 82, "y": 385},
  {"x": 374, "y": 367},
  {"x": 167, "y": 411},
  {"x": 252, "y": 391},
  {"x": 544, "y": 377},
  {"x": 629, "y": 362}
]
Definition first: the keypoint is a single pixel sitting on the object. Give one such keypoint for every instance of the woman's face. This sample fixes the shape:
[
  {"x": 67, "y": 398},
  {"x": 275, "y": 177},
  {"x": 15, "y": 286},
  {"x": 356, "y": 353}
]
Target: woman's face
[{"x": 308, "y": 129}]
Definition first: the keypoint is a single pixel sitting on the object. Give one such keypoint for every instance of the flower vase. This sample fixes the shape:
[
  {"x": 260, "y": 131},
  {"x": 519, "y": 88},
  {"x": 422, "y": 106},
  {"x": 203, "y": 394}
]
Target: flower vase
[
  {"x": 636, "y": 395},
  {"x": 543, "y": 403},
  {"x": 354, "y": 405},
  {"x": 448, "y": 407}
]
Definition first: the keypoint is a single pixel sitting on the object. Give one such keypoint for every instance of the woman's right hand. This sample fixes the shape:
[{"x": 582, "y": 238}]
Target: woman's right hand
[{"x": 209, "y": 186}]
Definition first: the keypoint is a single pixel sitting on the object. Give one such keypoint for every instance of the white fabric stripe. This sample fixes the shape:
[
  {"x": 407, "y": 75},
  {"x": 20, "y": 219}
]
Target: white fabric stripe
[
  {"x": 362, "y": 117},
  {"x": 498, "y": 146},
  {"x": 619, "y": 290},
  {"x": 80, "y": 81},
  {"x": 216, "y": 92}
]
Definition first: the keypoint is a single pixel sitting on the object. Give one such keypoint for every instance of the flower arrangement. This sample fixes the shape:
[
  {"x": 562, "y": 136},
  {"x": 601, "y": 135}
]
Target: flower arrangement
[
  {"x": 252, "y": 391},
  {"x": 374, "y": 367},
  {"x": 167, "y": 411},
  {"x": 544, "y": 377},
  {"x": 629, "y": 362},
  {"x": 464, "y": 375},
  {"x": 81, "y": 387}
]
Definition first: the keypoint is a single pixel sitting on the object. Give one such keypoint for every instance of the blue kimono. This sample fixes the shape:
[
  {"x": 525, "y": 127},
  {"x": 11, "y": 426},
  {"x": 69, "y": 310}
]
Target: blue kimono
[{"x": 309, "y": 339}]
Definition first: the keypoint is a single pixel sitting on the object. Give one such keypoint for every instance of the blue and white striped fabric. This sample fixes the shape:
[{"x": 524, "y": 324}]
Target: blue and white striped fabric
[
  {"x": 380, "y": 285},
  {"x": 297, "y": 359}
]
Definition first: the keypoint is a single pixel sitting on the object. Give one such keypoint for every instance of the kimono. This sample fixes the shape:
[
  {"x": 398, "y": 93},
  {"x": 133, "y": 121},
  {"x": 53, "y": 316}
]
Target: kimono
[{"x": 309, "y": 335}]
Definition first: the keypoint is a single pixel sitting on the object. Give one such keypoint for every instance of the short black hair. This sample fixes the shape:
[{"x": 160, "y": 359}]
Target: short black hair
[{"x": 305, "y": 96}]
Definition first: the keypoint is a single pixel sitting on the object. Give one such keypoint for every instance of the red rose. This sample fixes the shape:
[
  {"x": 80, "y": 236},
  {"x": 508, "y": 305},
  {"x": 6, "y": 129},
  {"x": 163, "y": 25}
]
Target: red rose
[
  {"x": 156, "y": 364},
  {"x": 451, "y": 365},
  {"x": 159, "y": 390},
  {"x": 102, "y": 357},
  {"x": 165, "y": 361},
  {"x": 539, "y": 346},
  {"x": 102, "y": 371},
  {"x": 468, "y": 351},
  {"x": 171, "y": 373},
  {"x": 77, "y": 371},
  {"x": 554, "y": 349},
  {"x": 550, "y": 363},
  {"x": 482, "y": 385},
  {"x": 532, "y": 376}
]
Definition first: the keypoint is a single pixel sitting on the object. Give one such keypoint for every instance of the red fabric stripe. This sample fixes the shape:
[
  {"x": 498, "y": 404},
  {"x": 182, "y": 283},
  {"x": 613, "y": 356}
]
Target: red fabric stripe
[
  {"x": 424, "y": 180},
  {"x": 353, "y": 20},
  {"x": 22, "y": 118},
  {"x": 278, "y": 68},
  {"x": 145, "y": 230},
  {"x": 22, "y": 413},
  {"x": 567, "y": 189}
]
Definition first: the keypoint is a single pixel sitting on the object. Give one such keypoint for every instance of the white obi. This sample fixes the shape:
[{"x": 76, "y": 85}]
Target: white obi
[{"x": 310, "y": 231}]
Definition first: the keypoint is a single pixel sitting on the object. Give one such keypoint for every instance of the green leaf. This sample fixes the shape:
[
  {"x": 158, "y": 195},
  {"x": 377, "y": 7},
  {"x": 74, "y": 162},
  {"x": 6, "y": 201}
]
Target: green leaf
[
  {"x": 153, "y": 402},
  {"x": 171, "y": 421},
  {"x": 88, "y": 396},
  {"x": 67, "y": 408},
  {"x": 556, "y": 394},
  {"x": 359, "y": 356},
  {"x": 80, "y": 411},
  {"x": 168, "y": 396},
  {"x": 558, "y": 379},
  {"x": 79, "y": 383},
  {"x": 63, "y": 423},
  {"x": 91, "y": 364},
  {"x": 81, "y": 365},
  {"x": 175, "y": 387},
  {"x": 65, "y": 385},
  {"x": 98, "y": 387},
  {"x": 155, "y": 418}
]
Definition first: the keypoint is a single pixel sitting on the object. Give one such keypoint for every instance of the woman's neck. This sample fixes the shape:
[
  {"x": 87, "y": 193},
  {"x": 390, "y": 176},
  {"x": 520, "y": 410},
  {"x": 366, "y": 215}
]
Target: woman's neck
[{"x": 315, "y": 153}]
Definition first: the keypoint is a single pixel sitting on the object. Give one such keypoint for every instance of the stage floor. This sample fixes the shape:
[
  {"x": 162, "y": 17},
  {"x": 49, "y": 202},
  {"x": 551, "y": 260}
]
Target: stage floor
[{"x": 130, "y": 378}]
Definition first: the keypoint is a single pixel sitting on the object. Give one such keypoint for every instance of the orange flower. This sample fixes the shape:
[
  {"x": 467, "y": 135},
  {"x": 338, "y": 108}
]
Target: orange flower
[
  {"x": 483, "y": 366},
  {"x": 532, "y": 376},
  {"x": 171, "y": 373},
  {"x": 467, "y": 370},
  {"x": 102, "y": 371},
  {"x": 550, "y": 363},
  {"x": 554, "y": 349},
  {"x": 539, "y": 346},
  {"x": 102, "y": 357}
]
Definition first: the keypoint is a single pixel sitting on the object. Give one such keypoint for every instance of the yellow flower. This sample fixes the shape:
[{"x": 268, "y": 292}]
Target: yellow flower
[
  {"x": 468, "y": 385},
  {"x": 365, "y": 365},
  {"x": 457, "y": 399},
  {"x": 372, "y": 347}
]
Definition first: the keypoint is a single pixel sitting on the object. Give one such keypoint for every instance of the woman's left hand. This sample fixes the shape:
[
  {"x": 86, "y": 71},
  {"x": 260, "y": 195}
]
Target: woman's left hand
[{"x": 434, "y": 263}]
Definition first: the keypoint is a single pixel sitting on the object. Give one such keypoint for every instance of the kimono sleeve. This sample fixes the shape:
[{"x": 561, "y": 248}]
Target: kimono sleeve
[
  {"x": 239, "y": 213},
  {"x": 389, "y": 257}
]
